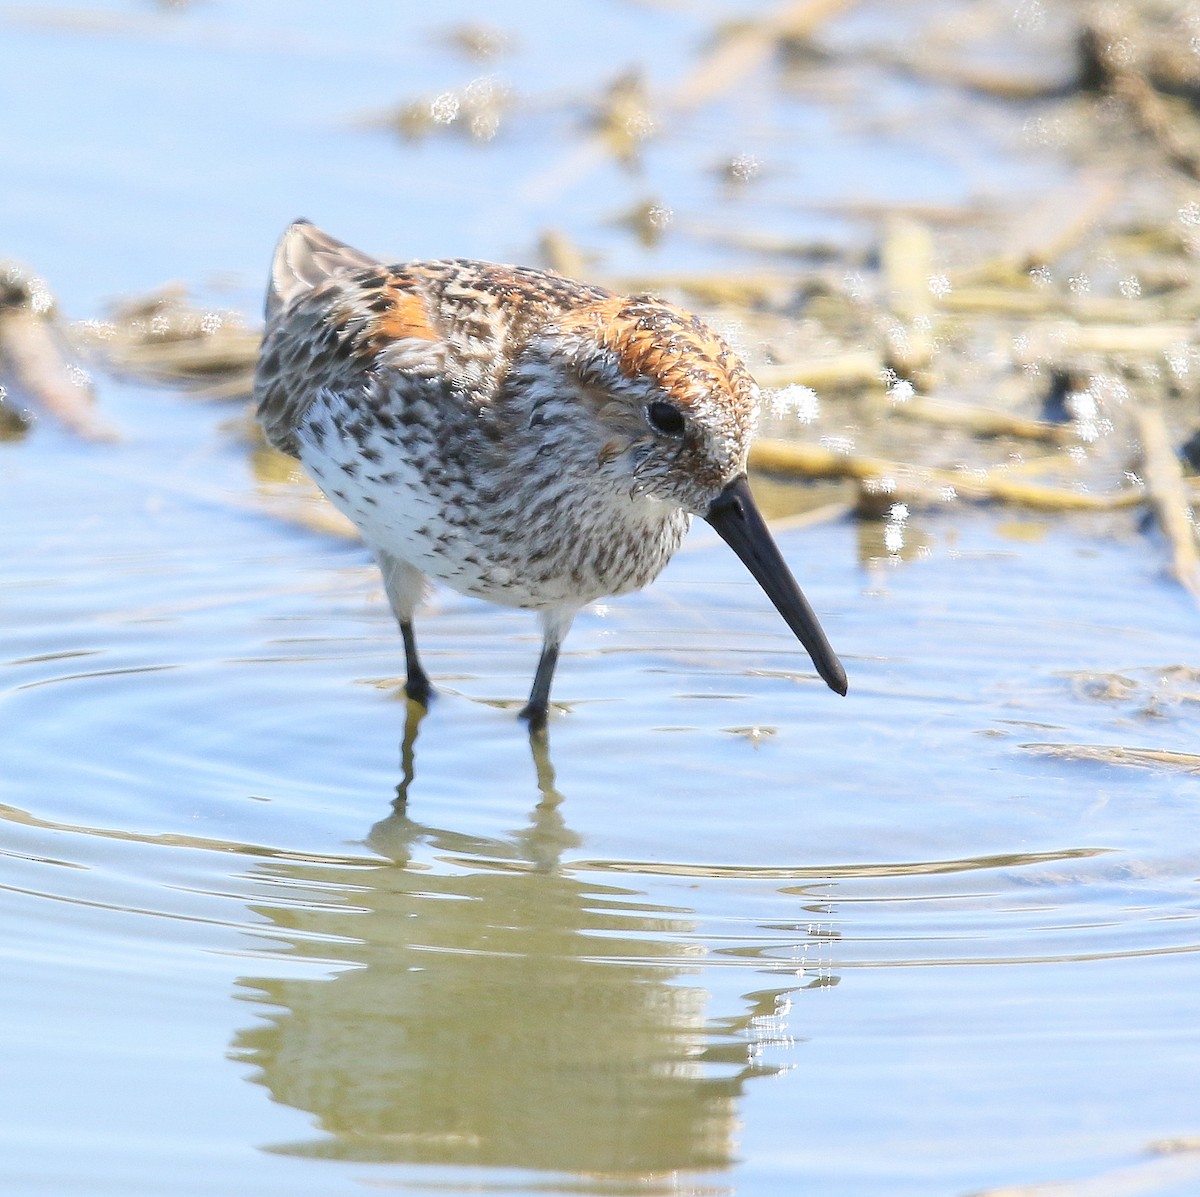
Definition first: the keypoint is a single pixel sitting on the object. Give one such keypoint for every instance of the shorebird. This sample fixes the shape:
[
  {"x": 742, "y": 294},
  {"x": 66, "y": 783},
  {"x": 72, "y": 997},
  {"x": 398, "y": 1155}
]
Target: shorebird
[{"x": 521, "y": 437}]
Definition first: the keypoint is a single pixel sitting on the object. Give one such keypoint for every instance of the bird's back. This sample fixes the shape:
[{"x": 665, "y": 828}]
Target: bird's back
[{"x": 337, "y": 318}]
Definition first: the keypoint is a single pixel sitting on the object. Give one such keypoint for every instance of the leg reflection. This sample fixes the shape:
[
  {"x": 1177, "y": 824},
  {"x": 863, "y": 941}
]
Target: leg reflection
[
  {"x": 540, "y": 844},
  {"x": 415, "y": 712},
  {"x": 547, "y": 837}
]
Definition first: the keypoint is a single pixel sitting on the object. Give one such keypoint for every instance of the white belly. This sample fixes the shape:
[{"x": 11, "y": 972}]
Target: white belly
[{"x": 595, "y": 545}]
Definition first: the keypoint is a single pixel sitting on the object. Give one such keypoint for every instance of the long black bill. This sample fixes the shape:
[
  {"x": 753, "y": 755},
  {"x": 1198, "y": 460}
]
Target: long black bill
[{"x": 740, "y": 525}]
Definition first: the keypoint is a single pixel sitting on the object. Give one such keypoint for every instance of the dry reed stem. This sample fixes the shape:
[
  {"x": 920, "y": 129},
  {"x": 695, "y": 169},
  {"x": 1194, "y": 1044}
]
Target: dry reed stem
[
  {"x": 1111, "y": 754},
  {"x": 192, "y": 357},
  {"x": 1050, "y": 228},
  {"x": 1049, "y": 341},
  {"x": 31, "y": 349},
  {"x": 717, "y": 290},
  {"x": 1155, "y": 116},
  {"x": 745, "y": 51},
  {"x": 854, "y": 367},
  {"x": 907, "y": 262},
  {"x": 1024, "y": 303},
  {"x": 1168, "y": 495},
  {"x": 910, "y": 483},
  {"x": 982, "y": 421}
]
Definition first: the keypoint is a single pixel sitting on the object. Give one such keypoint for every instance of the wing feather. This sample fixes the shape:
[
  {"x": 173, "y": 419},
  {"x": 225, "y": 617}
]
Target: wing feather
[
  {"x": 331, "y": 313},
  {"x": 304, "y": 258}
]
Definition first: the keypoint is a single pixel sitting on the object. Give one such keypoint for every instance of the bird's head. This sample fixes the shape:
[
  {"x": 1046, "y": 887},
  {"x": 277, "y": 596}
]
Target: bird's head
[
  {"x": 666, "y": 407},
  {"x": 655, "y": 404}
]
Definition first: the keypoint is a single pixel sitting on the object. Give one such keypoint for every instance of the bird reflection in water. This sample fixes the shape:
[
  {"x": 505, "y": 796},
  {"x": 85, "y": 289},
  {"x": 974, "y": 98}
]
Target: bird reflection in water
[{"x": 485, "y": 1007}]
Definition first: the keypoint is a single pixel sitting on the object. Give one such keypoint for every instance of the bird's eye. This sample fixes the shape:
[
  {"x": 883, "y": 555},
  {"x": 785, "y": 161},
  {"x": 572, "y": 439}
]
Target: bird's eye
[{"x": 665, "y": 418}]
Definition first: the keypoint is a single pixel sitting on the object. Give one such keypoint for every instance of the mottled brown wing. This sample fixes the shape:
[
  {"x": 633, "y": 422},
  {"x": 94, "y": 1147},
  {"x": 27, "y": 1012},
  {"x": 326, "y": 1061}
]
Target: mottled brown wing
[
  {"x": 340, "y": 321},
  {"x": 331, "y": 313}
]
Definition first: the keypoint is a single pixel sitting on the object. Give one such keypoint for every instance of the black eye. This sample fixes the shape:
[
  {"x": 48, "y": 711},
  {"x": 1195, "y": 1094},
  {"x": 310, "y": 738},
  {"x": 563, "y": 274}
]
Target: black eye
[{"x": 665, "y": 417}]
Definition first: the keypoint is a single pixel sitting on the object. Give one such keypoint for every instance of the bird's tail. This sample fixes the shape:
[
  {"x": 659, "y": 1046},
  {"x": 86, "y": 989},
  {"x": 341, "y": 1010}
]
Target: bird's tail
[{"x": 304, "y": 258}]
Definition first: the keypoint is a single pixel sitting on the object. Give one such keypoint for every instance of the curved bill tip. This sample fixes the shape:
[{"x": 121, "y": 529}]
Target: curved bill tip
[{"x": 738, "y": 522}]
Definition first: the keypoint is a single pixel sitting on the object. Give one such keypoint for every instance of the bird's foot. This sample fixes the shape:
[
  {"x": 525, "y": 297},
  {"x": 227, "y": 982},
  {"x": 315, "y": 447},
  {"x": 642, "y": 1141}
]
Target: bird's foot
[{"x": 537, "y": 715}]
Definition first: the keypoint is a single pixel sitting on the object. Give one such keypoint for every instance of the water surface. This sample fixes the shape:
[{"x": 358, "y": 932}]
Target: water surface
[{"x": 727, "y": 933}]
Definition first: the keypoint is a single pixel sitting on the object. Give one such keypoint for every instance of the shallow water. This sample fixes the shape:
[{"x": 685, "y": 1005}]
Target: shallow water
[{"x": 729, "y": 933}]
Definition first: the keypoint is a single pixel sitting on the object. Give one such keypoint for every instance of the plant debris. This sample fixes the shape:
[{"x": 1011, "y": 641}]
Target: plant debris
[
  {"x": 1044, "y": 358},
  {"x": 35, "y": 360}
]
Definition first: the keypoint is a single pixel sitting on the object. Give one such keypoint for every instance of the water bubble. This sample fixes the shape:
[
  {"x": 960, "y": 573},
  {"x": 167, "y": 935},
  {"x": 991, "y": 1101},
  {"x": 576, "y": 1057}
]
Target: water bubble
[
  {"x": 1044, "y": 131},
  {"x": 841, "y": 445},
  {"x": 640, "y": 126},
  {"x": 939, "y": 285},
  {"x": 1081, "y": 405},
  {"x": 1086, "y": 408},
  {"x": 1029, "y": 16},
  {"x": 1041, "y": 276},
  {"x": 897, "y": 335},
  {"x": 659, "y": 215},
  {"x": 894, "y": 528},
  {"x": 99, "y": 330},
  {"x": 78, "y": 376},
  {"x": 1079, "y": 284},
  {"x": 1189, "y": 214},
  {"x": 1109, "y": 391},
  {"x": 798, "y": 401},
  {"x": 484, "y": 102},
  {"x": 901, "y": 392},
  {"x": 1120, "y": 51},
  {"x": 1130, "y": 287},
  {"x": 744, "y": 167},
  {"x": 1178, "y": 360},
  {"x": 40, "y": 298},
  {"x": 485, "y": 125},
  {"x": 443, "y": 109}
]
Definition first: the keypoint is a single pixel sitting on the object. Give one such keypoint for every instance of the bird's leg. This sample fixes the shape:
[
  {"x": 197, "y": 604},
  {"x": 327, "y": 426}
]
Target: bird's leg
[
  {"x": 555, "y": 625},
  {"x": 537, "y": 709},
  {"x": 405, "y": 584},
  {"x": 416, "y": 680}
]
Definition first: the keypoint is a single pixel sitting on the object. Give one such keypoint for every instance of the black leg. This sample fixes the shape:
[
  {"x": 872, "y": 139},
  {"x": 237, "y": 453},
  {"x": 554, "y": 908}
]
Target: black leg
[
  {"x": 537, "y": 709},
  {"x": 416, "y": 684}
]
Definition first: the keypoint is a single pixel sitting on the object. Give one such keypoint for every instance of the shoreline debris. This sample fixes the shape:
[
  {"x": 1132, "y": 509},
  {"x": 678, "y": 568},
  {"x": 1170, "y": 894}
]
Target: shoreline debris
[{"x": 33, "y": 357}]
